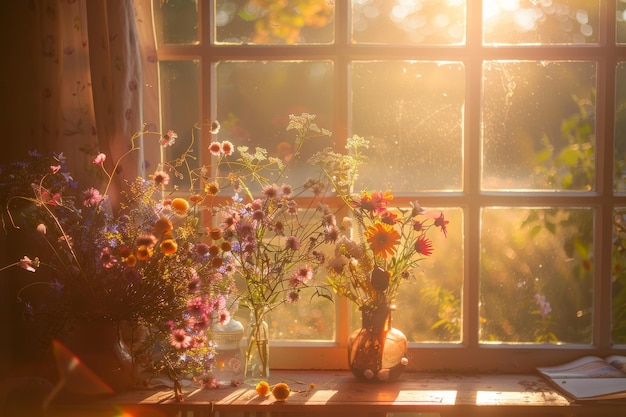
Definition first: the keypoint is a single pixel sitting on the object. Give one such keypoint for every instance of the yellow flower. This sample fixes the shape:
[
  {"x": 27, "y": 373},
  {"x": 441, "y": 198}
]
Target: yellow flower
[
  {"x": 262, "y": 388},
  {"x": 168, "y": 246},
  {"x": 281, "y": 391},
  {"x": 180, "y": 206}
]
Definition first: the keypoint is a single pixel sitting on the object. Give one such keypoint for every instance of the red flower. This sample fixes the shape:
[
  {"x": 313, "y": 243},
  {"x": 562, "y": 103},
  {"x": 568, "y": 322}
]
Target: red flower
[{"x": 424, "y": 246}]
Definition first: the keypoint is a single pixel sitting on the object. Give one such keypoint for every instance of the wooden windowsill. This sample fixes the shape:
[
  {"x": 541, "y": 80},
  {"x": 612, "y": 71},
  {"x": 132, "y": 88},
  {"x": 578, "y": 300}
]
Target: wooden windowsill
[{"x": 339, "y": 393}]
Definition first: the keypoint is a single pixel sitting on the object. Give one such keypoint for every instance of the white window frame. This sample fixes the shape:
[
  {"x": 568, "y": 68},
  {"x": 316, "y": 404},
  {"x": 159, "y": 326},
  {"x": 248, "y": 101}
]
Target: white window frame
[{"x": 470, "y": 354}]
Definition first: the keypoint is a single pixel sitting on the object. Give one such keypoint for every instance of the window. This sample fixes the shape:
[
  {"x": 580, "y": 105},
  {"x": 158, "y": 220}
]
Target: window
[{"x": 510, "y": 115}]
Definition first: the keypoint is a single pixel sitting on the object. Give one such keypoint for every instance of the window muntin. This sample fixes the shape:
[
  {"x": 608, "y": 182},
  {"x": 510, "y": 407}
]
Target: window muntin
[{"x": 471, "y": 201}]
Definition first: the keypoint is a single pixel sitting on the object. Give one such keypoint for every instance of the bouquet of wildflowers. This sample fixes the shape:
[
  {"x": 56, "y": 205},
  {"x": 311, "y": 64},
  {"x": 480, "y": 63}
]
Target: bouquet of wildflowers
[
  {"x": 146, "y": 261},
  {"x": 379, "y": 245}
]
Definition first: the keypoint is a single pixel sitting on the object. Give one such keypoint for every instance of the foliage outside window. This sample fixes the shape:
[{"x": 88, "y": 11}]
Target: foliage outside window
[{"x": 508, "y": 115}]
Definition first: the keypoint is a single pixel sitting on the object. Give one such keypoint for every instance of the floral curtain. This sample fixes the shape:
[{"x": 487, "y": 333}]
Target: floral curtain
[{"x": 98, "y": 79}]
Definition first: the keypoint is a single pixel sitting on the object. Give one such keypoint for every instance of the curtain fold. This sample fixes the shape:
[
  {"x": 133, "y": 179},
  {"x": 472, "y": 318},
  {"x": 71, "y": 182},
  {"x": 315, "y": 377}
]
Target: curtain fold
[{"x": 98, "y": 80}]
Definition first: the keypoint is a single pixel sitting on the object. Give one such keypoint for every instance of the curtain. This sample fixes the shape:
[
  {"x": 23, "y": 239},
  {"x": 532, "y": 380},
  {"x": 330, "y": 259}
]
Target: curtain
[{"x": 98, "y": 81}]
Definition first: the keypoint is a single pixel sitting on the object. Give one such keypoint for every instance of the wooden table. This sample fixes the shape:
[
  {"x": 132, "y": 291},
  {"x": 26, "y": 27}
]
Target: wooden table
[{"x": 340, "y": 394}]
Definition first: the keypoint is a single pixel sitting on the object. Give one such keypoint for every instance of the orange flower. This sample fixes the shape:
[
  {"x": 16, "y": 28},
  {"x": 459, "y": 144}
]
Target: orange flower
[
  {"x": 262, "y": 388},
  {"x": 163, "y": 225},
  {"x": 144, "y": 253},
  {"x": 382, "y": 239},
  {"x": 131, "y": 260},
  {"x": 215, "y": 233},
  {"x": 169, "y": 246},
  {"x": 281, "y": 391},
  {"x": 180, "y": 206}
]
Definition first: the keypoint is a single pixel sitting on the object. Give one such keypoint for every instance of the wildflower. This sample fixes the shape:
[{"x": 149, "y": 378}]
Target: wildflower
[
  {"x": 281, "y": 391},
  {"x": 544, "y": 306},
  {"x": 215, "y": 127},
  {"x": 180, "y": 339},
  {"x": 262, "y": 389},
  {"x": 292, "y": 243},
  {"x": 106, "y": 258},
  {"x": 215, "y": 148},
  {"x": 160, "y": 178},
  {"x": 168, "y": 139},
  {"x": 55, "y": 168},
  {"x": 92, "y": 197},
  {"x": 41, "y": 228},
  {"x": 196, "y": 198},
  {"x": 215, "y": 233},
  {"x": 162, "y": 226},
  {"x": 212, "y": 188},
  {"x": 292, "y": 297},
  {"x": 382, "y": 239},
  {"x": 28, "y": 264},
  {"x": 131, "y": 260},
  {"x": 180, "y": 206},
  {"x": 441, "y": 222},
  {"x": 144, "y": 253},
  {"x": 99, "y": 159},
  {"x": 227, "y": 148},
  {"x": 147, "y": 240},
  {"x": 423, "y": 246},
  {"x": 226, "y": 246},
  {"x": 201, "y": 249},
  {"x": 168, "y": 246},
  {"x": 270, "y": 191}
]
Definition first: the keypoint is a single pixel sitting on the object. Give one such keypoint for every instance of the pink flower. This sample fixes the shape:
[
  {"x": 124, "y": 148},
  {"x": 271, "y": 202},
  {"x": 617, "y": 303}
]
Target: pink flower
[
  {"x": 99, "y": 159},
  {"x": 180, "y": 339},
  {"x": 55, "y": 168},
  {"x": 29, "y": 265},
  {"x": 168, "y": 139},
  {"x": 92, "y": 197}
]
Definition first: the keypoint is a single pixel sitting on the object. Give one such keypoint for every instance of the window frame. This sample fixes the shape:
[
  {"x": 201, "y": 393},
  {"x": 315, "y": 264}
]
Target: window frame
[{"x": 470, "y": 354}]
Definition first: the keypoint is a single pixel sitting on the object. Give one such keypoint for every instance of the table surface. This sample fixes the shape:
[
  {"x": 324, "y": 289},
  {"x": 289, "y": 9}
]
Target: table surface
[{"x": 340, "y": 392}]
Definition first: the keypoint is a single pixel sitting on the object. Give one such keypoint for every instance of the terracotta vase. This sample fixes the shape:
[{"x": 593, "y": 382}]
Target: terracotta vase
[{"x": 377, "y": 351}]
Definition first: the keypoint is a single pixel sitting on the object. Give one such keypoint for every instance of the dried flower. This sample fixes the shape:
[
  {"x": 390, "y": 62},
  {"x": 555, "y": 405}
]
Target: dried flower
[
  {"x": 281, "y": 391},
  {"x": 262, "y": 389}
]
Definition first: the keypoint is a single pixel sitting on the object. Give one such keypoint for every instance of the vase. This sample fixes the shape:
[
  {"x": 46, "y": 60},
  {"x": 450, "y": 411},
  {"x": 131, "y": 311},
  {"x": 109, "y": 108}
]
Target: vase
[
  {"x": 377, "y": 351},
  {"x": 229, "y": 359},
  {"x": 100, "y": 347},
  {"x": 257, "y": 354}
]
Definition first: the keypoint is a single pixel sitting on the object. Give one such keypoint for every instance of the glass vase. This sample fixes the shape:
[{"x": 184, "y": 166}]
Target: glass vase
[
  {"x": 257, "y": 354},
  {"x": 377, "y": 351}
]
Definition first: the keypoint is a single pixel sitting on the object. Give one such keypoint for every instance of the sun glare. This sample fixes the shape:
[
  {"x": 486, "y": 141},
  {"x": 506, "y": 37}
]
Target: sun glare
[{"x": 492, "y": 8}]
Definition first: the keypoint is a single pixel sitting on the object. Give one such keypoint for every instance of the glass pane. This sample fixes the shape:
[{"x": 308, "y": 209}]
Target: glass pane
[
  {"x": 620, "y": 128},
  {"x": 618, "y": 324},
  {"x": 540, "y": 22},
  {"x": 412, "y": 114},
  {"x": 621, "y": 21},
  {"x": 180, "y": 112},
  {"x": 426, "y": 22},
  {"x": 270, "y": 22},
  {"x": 539, "y": 125},
  {"x": 255, "y": 99},
  {"x": 176, "y": 22},
  {"x": 543, "y": 260}
]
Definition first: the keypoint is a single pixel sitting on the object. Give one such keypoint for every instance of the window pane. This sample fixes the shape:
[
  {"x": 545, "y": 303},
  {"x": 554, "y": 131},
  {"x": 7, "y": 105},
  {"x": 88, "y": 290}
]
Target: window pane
[
  {"x": 181, "y": 111},
  {"x": 255, "y": 99},
  {"x": 620, "y": 128},
  {"x": 412, "y": 114},
  {"x": 176, "y": 22},
  {"x": 621, "y": 21},
  {"x": 431, "y": 22},
  {"x": 540, "y": 22},
  {"x": 536, "y": 275},
  {"x": 539, "y": 125},
  {"x": 270, "y": 22},
  {"x": 618, "y": 324}
]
